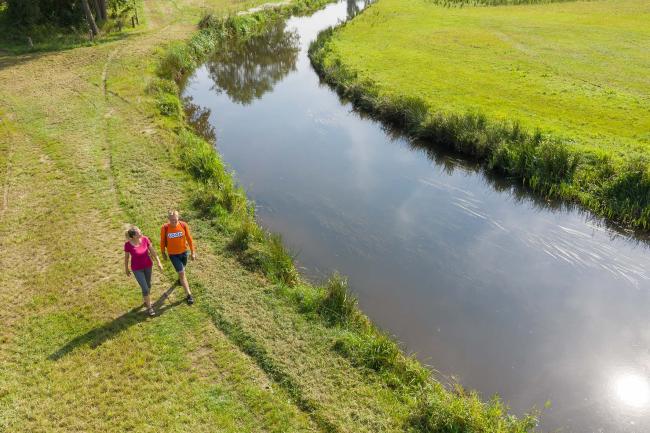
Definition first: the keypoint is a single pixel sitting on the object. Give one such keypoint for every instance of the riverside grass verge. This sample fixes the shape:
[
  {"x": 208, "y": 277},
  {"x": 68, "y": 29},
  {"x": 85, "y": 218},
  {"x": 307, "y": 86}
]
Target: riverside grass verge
[
  {"x": 220, "y": 202},
  {"x": 513, "y": 92}
]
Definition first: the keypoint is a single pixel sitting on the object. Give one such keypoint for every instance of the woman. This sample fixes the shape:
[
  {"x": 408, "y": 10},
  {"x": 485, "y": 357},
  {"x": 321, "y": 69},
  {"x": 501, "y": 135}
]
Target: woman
[
  {"x": 175, "y": 237},
  {"x": 139, "y": 248}
]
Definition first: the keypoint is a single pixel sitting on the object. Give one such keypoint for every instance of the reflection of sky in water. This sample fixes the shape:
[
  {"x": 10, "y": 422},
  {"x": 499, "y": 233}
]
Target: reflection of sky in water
[{"x": 506, "y": 293}]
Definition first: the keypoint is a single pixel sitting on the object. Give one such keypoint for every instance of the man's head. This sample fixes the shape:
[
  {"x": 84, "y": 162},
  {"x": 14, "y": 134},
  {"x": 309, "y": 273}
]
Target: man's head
[{"x": 172, "y": 216}]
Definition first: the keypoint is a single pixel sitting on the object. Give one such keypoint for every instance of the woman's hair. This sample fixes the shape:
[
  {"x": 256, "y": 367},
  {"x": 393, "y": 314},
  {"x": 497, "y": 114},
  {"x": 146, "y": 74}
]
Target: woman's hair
[
  {"x": 172, "y": 212},
  {"x": 132, "y": 231}
]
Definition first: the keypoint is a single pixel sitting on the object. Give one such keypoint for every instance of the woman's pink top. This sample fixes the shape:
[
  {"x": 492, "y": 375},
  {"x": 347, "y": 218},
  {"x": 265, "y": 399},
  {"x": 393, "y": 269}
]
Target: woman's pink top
[{"x": 139, "y": 255}]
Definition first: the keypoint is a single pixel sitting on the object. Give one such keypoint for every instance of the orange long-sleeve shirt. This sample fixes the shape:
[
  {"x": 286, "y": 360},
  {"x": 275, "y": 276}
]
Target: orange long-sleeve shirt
[{"x": 175, "y": 239}]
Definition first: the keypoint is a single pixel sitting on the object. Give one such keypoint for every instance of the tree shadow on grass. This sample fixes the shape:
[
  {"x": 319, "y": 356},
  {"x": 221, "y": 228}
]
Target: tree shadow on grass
[{"x": 96, "y": 337}]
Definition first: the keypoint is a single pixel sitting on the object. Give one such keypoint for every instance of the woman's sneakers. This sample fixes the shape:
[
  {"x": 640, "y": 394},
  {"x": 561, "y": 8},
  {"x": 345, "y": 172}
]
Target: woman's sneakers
[
  {"x": 189, "y": 300},
  {"x": 151, "y": 312}
]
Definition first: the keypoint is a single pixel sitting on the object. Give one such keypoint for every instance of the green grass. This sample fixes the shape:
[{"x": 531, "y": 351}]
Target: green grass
[
  {"x": 96, "y": 141},
  {"x": 552, "y": 94}
]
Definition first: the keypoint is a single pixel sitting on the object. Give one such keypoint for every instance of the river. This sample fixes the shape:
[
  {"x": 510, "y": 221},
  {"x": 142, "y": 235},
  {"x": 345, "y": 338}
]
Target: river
[{"x": 500, "y": 290}]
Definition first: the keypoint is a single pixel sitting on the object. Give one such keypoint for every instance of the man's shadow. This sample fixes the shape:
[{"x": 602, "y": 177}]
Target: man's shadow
[{"x": 96, "y": 337}]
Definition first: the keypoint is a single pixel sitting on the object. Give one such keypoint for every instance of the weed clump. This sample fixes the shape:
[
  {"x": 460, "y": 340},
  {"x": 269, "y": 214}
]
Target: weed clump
[
  {"x": 159, "y": 86},
  {"x": 247, "y": 233},
  {"x": 338, "y": 305},
  {"x": 369, "y": 348},
  {"x": 456, "y": 411},
  {"x": 279, "y": 263},
  {"x": 169, "y": 105}
]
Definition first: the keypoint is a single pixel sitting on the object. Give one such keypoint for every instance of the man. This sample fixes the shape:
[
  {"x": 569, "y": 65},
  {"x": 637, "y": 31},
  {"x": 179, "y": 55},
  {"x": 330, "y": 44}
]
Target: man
[{"x": 175, "y": 237}]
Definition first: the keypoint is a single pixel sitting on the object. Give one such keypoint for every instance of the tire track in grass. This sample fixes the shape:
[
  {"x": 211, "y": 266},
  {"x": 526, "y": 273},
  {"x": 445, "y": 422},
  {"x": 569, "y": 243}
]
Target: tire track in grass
[{"x": 256, "y": 351}]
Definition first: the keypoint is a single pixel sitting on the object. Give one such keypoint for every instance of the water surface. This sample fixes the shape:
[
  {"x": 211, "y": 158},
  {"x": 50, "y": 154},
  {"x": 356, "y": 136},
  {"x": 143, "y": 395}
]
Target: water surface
[{"x": 505, "y": 292}]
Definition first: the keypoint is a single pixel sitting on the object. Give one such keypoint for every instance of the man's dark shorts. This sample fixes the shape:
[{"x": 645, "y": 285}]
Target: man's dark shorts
[{"x": 179, "y": 261}]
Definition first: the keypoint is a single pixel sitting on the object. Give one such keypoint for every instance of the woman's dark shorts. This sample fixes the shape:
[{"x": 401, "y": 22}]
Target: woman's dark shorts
[{"x": 179, "y": 261}]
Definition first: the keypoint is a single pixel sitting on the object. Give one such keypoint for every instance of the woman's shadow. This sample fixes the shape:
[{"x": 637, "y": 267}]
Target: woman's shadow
[{"x": 96, "y": 337}]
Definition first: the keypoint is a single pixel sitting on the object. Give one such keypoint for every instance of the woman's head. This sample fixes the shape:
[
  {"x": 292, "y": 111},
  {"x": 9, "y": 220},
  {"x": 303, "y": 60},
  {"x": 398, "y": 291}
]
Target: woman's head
[
  {"x": 172, "y": 216},
  {"x": 133, "y": 233}
]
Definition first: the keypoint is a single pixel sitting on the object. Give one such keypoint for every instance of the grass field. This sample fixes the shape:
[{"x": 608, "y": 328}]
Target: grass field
[
  {"x": 577, "y": 71},
  {"x": 84, "y": 150}
]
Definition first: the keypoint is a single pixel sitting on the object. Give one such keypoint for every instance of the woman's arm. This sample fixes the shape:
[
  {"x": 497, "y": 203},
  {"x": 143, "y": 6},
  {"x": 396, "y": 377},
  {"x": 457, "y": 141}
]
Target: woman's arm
[
  {"x": 154, "y": 255},
  {"x": 126, "y": 263},
  {"x": 163, "y": 241}
]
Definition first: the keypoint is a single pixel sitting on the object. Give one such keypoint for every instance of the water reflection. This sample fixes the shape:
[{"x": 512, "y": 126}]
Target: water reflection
[
  {"x": 632, "y": 390},
  {"x": 248, "y": 69},
  {"x": 354, "y": 7},
  {"x": 199, "y": 118}
]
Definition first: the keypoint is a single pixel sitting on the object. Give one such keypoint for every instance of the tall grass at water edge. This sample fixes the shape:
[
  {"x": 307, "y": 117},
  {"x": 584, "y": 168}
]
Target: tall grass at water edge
[
  {"x": 617, "y": 189},
  {"x": 218, "y": 199}
]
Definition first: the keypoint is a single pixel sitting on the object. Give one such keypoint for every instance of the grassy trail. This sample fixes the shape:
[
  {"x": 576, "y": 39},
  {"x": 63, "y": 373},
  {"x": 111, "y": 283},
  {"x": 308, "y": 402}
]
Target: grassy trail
[{"x": 81, "y": 155}]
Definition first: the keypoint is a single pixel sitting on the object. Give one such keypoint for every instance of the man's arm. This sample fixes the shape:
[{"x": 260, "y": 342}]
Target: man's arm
[{"x": 190, "y": 241}]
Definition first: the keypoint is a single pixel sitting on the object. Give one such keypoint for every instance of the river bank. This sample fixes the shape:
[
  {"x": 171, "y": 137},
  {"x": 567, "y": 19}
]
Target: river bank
[
  {"x": 486, "y": 94},
  {"x": 85, "y": 149},
  {"x": 482, "y": 279}
]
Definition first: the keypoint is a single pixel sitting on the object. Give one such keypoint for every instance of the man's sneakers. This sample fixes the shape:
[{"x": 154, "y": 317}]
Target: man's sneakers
[{"x": 189, "y": 300}]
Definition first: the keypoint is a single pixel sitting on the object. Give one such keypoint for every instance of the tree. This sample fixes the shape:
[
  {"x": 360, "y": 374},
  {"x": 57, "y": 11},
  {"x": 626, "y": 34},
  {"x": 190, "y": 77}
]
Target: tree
[
  {"x": 28, "y": 13},
  {"x": 103, "y": 10},
  {"x": 89, "y": 17}
]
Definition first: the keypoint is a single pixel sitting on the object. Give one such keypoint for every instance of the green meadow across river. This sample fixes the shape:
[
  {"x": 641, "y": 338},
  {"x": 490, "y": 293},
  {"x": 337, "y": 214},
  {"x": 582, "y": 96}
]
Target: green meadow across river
[{"x": 484, "y": 80}]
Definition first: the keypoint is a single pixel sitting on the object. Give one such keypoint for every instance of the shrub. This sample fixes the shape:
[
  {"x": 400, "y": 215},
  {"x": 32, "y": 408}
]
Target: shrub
[
  {"x": 169, "y": 105},
  {"x": 161, "y": 85}
]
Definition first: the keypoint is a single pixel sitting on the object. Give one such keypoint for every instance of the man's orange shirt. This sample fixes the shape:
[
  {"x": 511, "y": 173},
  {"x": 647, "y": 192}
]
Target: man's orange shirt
[{"x": 175, "y": 239}]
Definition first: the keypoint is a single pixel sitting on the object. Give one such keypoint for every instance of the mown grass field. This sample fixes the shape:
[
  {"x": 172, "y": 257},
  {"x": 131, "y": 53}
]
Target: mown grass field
[
  {"x": 577, "y": 71},
  {"x": 82, "y": 154},
  {"x": 84, "y": 150}
]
